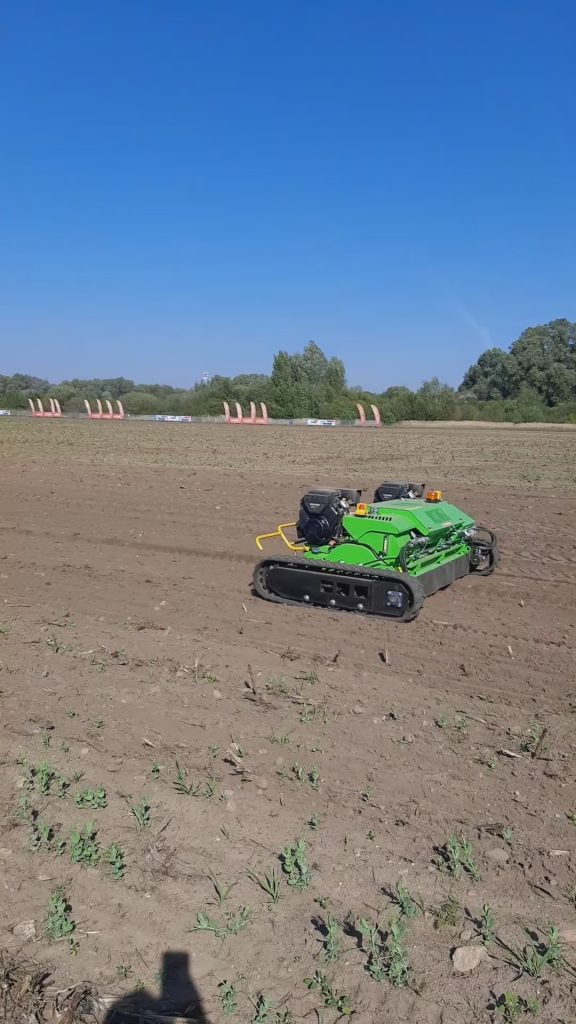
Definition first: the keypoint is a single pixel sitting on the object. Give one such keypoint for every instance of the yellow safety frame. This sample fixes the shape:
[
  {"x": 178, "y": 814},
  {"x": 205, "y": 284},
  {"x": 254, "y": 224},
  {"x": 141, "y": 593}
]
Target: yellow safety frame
[{"x": 279, "y": 532}]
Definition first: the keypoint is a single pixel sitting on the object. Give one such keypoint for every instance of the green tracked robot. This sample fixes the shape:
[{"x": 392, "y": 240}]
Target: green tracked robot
[{"x": 381, "y": 558}]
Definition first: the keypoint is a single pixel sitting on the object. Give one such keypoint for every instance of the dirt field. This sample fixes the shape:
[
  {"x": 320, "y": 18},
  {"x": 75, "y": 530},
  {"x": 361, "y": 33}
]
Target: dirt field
[{"x": 130, "y": 643}]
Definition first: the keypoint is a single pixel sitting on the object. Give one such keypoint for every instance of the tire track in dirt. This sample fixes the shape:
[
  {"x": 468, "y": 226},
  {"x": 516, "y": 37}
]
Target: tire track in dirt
[{"x": 89, "y": 570}]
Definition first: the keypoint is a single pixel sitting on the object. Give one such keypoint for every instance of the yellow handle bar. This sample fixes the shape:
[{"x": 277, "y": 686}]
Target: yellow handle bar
[{"x": 279, "y": 532}]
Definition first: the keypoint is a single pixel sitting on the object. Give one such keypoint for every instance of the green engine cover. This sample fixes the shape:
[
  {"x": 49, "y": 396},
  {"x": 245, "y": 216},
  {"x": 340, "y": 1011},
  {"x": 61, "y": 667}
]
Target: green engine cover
[{"x": 431, "y": 532}]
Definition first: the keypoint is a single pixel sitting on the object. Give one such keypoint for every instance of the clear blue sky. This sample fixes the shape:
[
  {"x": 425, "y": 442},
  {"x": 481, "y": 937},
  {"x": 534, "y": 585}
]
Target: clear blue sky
[{"x": 190, "y": 185}]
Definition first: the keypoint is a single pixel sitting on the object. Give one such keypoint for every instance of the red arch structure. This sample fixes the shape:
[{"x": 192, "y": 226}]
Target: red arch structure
[
  {"x": 252, "y": 419},
  {"x": 363, "y": 422},
  {"x": 39, "y": 412},
  {"x": 100, "y": 414}
]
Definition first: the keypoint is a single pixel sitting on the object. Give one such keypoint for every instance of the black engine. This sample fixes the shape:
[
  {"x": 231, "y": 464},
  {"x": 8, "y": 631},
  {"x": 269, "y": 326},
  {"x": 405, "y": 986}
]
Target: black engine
[
  {"x": 392, "y": 490},
  {"x": 321, "y": 515}
]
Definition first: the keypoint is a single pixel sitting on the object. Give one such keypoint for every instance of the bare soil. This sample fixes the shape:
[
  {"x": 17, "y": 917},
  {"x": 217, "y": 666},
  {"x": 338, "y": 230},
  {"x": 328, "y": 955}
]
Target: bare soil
[{"x": 129, "y": 638}]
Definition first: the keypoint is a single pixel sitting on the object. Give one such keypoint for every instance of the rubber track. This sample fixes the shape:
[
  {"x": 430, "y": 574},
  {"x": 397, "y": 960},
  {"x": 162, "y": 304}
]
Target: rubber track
[{"x": 318, "y": 567}]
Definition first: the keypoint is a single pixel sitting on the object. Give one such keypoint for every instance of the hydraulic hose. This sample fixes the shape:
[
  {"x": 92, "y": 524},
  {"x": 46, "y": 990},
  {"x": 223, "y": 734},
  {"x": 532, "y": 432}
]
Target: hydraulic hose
[{"x": 403, "y": 555}]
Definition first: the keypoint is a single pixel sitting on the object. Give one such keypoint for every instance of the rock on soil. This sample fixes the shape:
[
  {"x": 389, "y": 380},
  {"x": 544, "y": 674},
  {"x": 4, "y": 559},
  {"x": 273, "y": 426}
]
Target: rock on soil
[
  {"x": 25, "y": 930},
  {"x": 468, "y": 958},
  {"x": 498, "y": 856}
]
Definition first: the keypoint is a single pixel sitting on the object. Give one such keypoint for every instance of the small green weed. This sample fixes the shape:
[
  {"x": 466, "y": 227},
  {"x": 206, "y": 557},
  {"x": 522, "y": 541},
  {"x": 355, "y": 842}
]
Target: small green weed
[
  {"x": 58, "y": 923},
  {"x": 83, "y": 845},
  {"x": 407, "y": 905},
  {"x": 155, "y": 771},
  {"x": 141, "y": 812},
  {"x": 39, "y": 778},
  {"x": 531, "y": 738},
  {"x": 387, "y": 957},
  {"x": 397, "y": 967},
  {"x": 262, "y": 1010},
  {"x": 40, "y": 834},
  {"x": 313, "y": 823},
  {"x": 228, "y": 999},
  {"x": 269, "y": 883},
  {"x": 232, "y": 924},
  {"x": 124, "y": 971},
  {"x": 487, "y": 925},
  {"x": 57, "y": 646},
  {"x": 278, "y": 685},
  {"x": 182, "y": 786},
  {"x": 204, "y": 923},
  {"x": 309, "y": 775},
  {"x": 62, "y": 787},
  {"x": 332, "y": 943},
  {"x": 94, "y": 798},
  {"x": 535, "y": 955},
  {"x": 114, "y": 856},
  {"x": 309, "y": 678},
  {"x": 312, "y": 713},
  {"x": 203, "y": 675},
  {"x": 456, "y": 856},
  {"x": 511, "y": 1007},
  {"x": 282, "y": 740},
  {"x": 459, "y": 723},
  {"x": 210, "y": 787},
  {"x": 221, "y": 892},
  {"x": 293, "y": 860},
  {"x": 332, "y": 999},
  {"x": 236, "y": 923}
]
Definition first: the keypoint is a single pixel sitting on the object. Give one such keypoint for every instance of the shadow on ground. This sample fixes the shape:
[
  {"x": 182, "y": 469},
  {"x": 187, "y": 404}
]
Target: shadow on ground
[{"x": 179, "y": 998}]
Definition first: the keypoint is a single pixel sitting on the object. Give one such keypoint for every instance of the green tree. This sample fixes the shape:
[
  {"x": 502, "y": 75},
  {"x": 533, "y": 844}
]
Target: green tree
[
  {"x": 546, "y": 360},
  {"x": 435, "y": 401},
  {"x": 494, "y": 375},
  {"x": 282, "y": 386},
  {"x": 141, "y": 403},
  {"x": 542, "y": 359},
  {"x": 399, "y": 403}
]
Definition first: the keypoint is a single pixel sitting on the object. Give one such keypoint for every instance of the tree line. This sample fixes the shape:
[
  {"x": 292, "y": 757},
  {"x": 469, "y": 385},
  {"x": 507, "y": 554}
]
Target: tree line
[{"x": 535, "y": 380}]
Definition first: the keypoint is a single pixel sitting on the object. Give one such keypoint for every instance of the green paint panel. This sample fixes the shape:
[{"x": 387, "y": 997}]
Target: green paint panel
[{"x": 414, "y": 536}]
